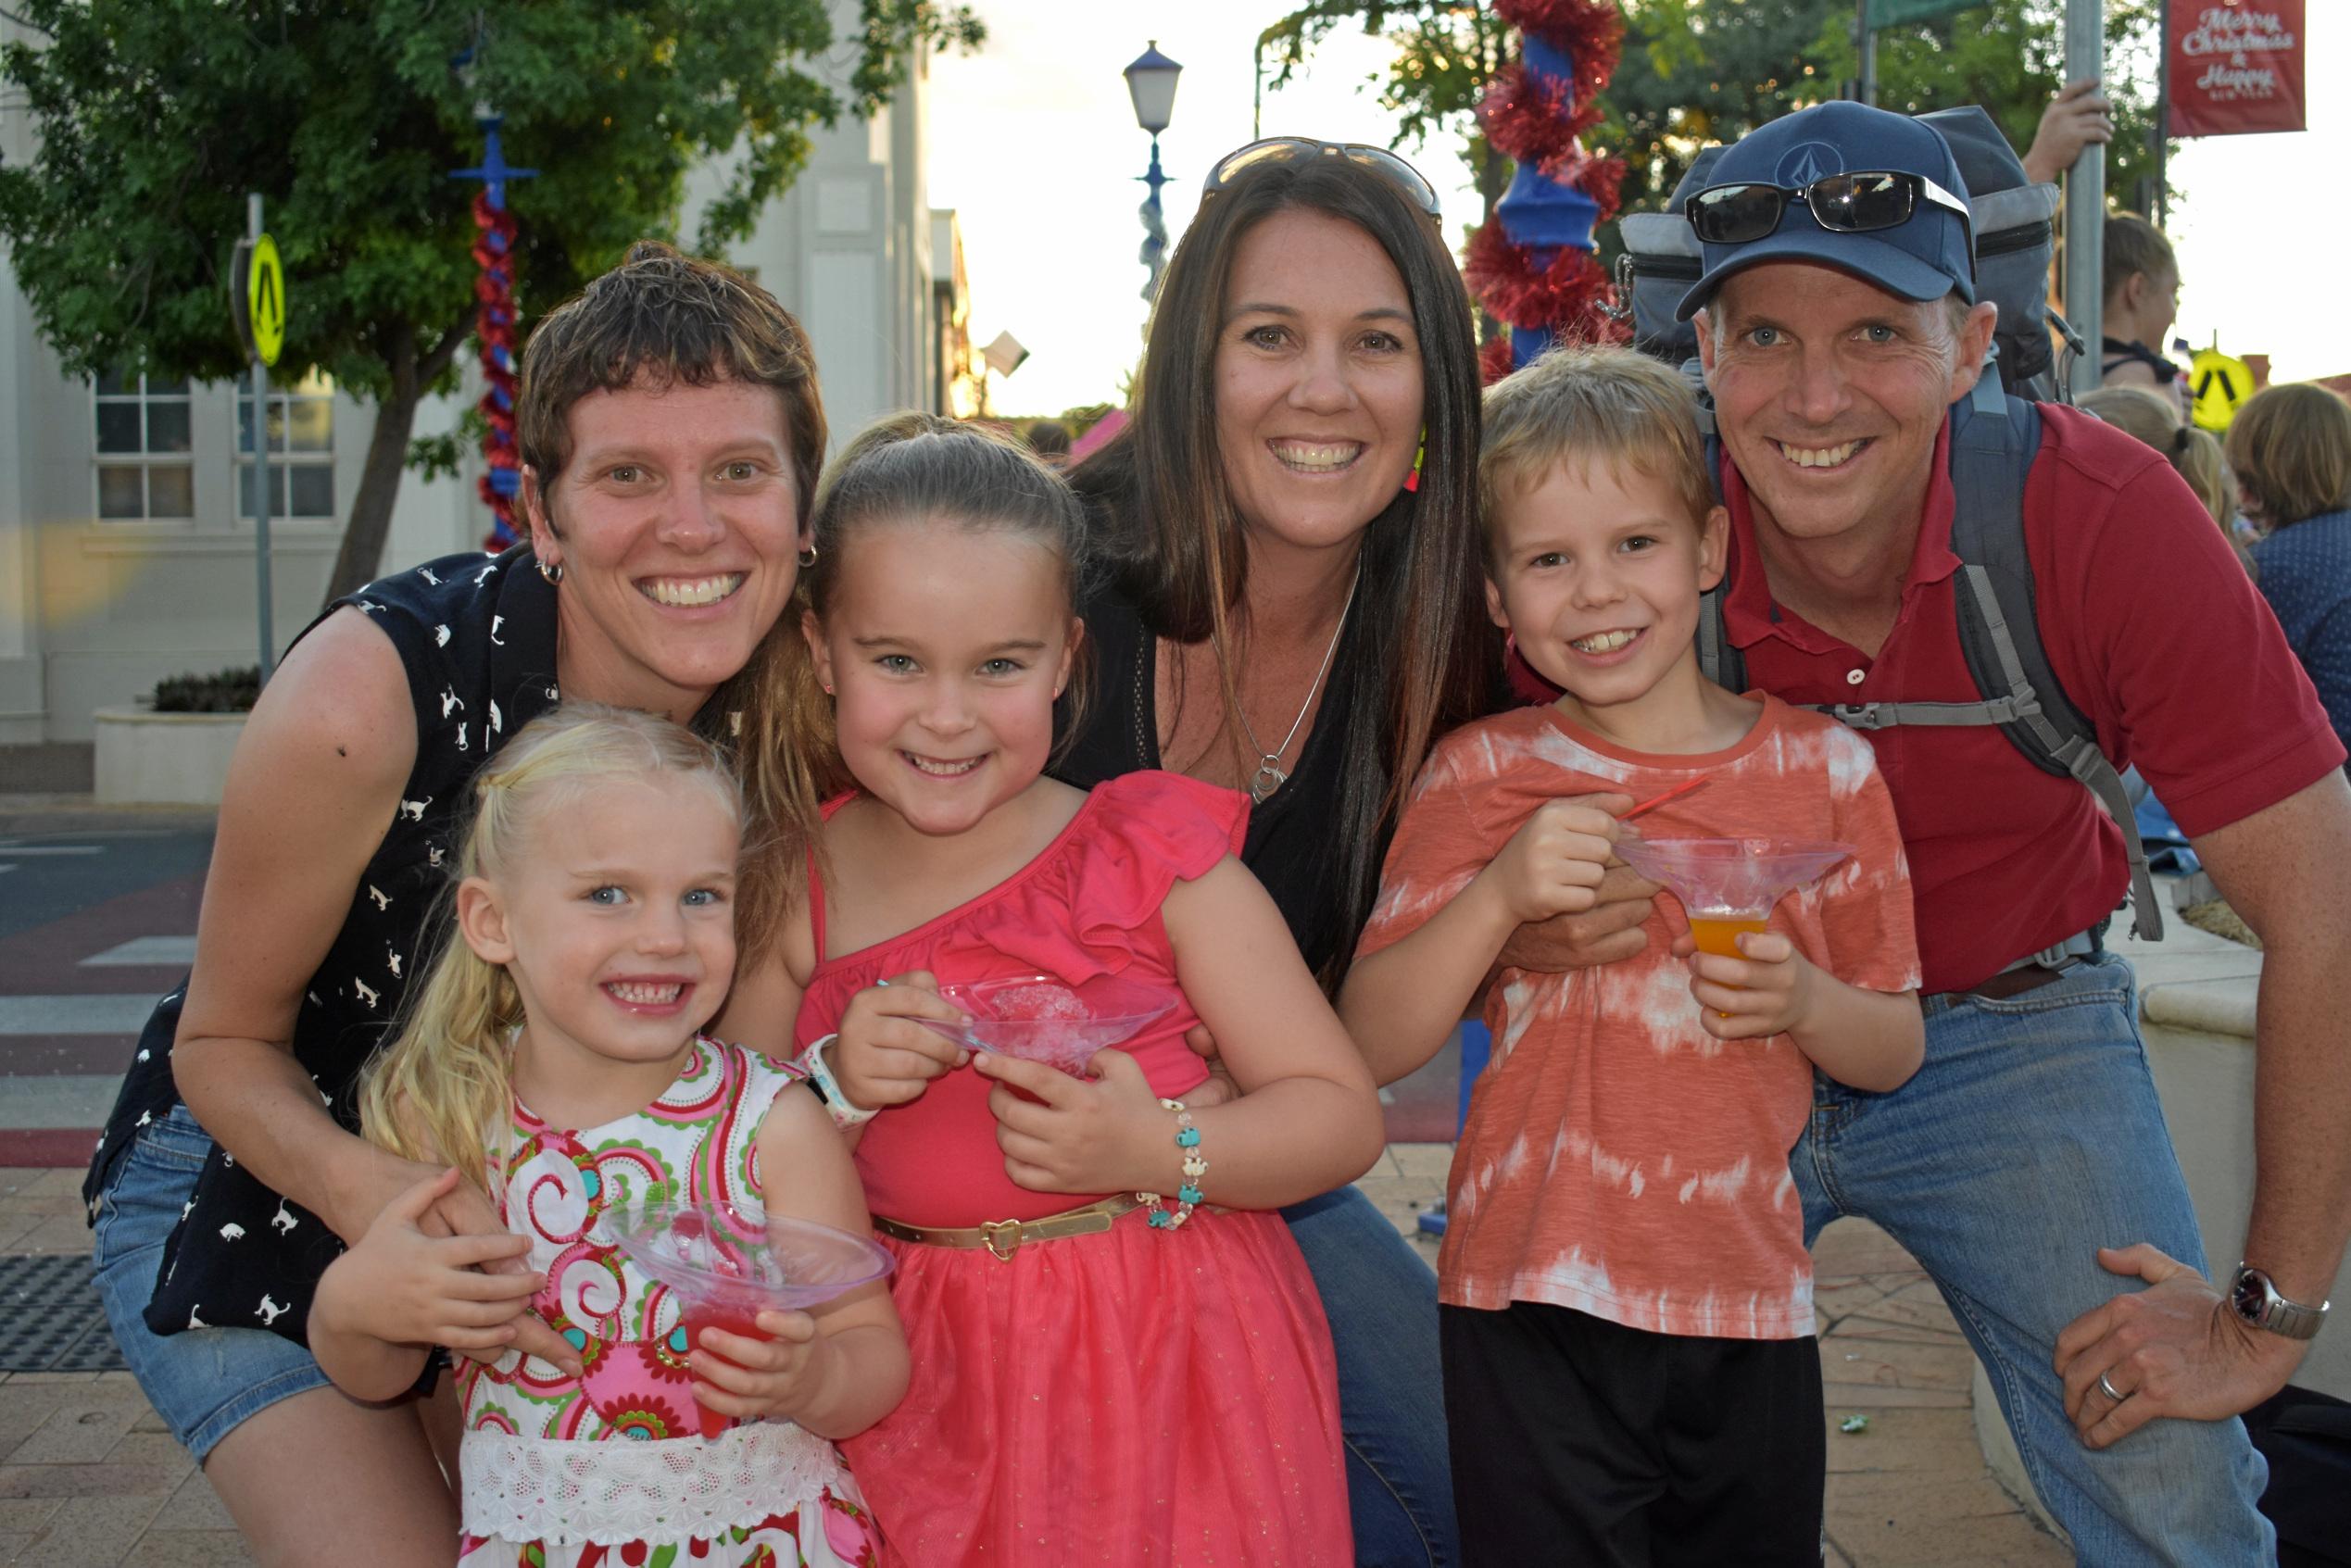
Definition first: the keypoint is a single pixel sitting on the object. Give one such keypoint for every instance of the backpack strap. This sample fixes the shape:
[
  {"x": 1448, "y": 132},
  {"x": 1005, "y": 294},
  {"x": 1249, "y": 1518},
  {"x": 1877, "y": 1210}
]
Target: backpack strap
[{"x": 2000, "y": 628}]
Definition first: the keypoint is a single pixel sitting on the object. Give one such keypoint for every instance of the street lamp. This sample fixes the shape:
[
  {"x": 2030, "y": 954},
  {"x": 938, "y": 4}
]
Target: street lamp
[{"x": 1151, "y": 82}]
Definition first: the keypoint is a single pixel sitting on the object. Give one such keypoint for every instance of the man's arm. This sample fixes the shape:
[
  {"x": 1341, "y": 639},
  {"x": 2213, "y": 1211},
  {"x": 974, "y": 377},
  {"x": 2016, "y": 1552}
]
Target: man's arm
[
  {"x": 2283, "y": 870},
  {"x": 2078, "y": 115},
  {"x": 2175, "y": 1348}
]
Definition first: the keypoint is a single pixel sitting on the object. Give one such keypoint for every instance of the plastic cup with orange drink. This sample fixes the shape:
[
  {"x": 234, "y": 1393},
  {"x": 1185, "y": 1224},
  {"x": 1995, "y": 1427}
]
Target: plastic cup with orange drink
[{"x": 1728, "y": 887}]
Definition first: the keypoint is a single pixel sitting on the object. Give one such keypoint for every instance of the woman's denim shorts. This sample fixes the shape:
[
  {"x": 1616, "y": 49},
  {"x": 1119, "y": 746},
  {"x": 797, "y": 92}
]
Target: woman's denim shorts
[{"x": 204, "y": 1382}]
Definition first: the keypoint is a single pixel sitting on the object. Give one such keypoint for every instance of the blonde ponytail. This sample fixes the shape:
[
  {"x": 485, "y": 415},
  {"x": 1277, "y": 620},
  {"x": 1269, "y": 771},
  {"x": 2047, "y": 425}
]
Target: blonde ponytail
[{"x": 435, "y": 1093}]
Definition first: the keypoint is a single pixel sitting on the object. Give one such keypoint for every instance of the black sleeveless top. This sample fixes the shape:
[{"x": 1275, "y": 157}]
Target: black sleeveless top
[
  {"x": 2116, "y": 352},
  {"x": 1288, "y": 845},
  {"x": 476, "y": 636}
]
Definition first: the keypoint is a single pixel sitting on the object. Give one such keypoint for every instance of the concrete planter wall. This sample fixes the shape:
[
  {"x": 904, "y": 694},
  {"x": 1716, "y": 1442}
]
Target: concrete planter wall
[{"x": 148, "y": 759}]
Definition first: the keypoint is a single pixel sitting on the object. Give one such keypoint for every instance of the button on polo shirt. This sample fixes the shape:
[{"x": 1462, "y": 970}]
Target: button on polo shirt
[{"x": 2154, "y": 633}]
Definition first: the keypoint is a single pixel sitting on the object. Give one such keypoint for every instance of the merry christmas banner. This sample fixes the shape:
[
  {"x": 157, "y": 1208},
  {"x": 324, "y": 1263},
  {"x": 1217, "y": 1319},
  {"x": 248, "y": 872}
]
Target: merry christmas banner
[{"x": 2234, "y": 68}]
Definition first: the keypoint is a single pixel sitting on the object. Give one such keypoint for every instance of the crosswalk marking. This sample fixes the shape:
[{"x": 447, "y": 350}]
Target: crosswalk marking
[
  {"x": 160, "y": 951},
  {"x": 52, "y": 848},
  {"x": 123, "y": 1013},
  {"x": 79, "y": 1099}
]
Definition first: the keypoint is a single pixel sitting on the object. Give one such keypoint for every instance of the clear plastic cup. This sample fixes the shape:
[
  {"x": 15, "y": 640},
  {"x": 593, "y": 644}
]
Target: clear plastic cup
[
  {"x": 1059, "y": 1023},
  {"x": 727, "y": 1263},
  {"x": 1727, "y": 887}
]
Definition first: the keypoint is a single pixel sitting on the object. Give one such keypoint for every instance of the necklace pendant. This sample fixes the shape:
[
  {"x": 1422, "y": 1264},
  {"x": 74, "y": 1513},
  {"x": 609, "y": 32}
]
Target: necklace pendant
[{"x": 1268, "y": 778}]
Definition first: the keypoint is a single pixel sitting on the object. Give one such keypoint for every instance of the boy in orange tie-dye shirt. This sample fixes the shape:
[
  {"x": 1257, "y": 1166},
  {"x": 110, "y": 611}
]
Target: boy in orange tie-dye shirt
[{"x": 1629, "y": 1368}]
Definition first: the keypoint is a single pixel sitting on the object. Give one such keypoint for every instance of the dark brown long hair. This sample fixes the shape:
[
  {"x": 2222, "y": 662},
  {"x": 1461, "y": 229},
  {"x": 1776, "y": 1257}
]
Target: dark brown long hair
[{"x": 1178, "y": 542}]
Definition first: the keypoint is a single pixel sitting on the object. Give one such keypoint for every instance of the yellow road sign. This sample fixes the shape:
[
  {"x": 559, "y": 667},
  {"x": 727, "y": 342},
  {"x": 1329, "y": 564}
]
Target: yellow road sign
[
  {"x": 2221, "y": 382},
  {"x": 265, "y": 300}
]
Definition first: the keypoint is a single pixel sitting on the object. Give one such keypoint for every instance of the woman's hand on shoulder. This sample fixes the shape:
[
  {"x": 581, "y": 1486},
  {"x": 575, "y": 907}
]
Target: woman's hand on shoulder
[
  {"x": 411, "y": 1280},
  {"x": 881, "y": 1056}
]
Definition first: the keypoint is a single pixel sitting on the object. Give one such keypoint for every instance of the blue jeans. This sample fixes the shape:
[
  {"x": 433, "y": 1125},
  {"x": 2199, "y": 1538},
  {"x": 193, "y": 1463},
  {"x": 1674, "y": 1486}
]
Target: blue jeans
[
  {"x": 206, "y": 1381},
  {"x": 2030, "y": 1137},
  {"x": 1381, "y": 1301}
]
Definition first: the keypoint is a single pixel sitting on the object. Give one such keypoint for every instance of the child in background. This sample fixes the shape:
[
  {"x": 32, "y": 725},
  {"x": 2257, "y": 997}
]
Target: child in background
[
  {"x": 552, "y": 1057},
  {"x": 1626, "y": 1300},
  {"x": 1099, "y": 1377},
  {"x": 2194, "y": 454}
]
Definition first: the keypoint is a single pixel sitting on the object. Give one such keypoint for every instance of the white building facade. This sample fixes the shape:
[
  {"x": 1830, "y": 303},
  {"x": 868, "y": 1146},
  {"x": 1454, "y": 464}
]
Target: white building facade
[{"x": 126, "y": 537}]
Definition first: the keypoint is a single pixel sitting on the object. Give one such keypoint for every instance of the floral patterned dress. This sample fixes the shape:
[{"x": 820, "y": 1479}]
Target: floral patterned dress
[{"x": 610, "y": 1469}]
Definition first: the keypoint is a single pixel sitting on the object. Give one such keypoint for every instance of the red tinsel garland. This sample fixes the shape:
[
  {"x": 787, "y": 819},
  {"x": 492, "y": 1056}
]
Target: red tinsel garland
[
  {"x": 1565, "y": 296},
  {"x": 1493, "y": 360},
  {"x": 1542, "y": 123},
  {"x": 1592, "y": 32},
  {"x": 1533, "y": 120},
  {"x": 494, "y": 325}
]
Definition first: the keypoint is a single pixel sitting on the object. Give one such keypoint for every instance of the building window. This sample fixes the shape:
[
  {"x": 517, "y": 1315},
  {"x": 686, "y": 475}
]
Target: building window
[
  {"x": 301, "y": 450},
  {"x": 145, "y": 469}
]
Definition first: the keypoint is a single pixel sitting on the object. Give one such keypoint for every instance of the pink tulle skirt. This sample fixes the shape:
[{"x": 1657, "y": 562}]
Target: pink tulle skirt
[{"x": 1136, "y": 1397}]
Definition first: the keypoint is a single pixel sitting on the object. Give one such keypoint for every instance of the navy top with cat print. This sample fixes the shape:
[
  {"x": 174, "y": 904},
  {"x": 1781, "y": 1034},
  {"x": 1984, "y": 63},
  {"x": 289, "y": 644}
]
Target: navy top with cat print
[{"x": 476, "y": 636}]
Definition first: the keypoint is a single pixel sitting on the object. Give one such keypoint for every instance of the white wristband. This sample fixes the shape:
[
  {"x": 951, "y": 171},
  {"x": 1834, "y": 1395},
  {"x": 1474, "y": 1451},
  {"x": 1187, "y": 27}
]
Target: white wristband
[{"x": 845, "y": 1112}]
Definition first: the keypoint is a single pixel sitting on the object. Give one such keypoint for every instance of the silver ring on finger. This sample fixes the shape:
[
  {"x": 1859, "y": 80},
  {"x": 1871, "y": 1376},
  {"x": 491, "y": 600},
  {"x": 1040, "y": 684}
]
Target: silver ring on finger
[{"x": 2106, "y": 1387}]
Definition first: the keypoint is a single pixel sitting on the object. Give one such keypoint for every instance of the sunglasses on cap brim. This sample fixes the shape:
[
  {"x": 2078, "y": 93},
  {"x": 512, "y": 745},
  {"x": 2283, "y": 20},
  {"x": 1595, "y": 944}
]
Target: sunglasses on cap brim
[
  {"x": 1294, "y": 149},
  {"x": 1854, "y": 203}
]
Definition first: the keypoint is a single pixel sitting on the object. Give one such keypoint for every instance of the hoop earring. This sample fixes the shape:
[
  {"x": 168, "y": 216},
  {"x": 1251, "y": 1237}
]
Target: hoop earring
[
  {"x": 808, "y": 557},
  {"x": 553, "y": 573},
  {"x": 1420, "y": 454}
]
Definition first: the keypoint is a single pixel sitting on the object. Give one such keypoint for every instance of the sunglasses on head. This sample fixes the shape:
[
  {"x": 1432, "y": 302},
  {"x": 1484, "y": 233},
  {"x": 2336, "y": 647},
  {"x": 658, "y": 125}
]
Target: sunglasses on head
[
  {"x": 1847, "y": 203},
  {"x": 1291, "y": 149}
]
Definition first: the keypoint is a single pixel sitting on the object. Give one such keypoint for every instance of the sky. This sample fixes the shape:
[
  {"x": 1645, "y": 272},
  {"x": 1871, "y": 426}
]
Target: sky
[{"x": 1032, "y": 140}]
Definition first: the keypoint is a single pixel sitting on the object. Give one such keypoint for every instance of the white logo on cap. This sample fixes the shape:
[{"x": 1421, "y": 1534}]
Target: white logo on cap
[{"x": 1808, "y": 161}]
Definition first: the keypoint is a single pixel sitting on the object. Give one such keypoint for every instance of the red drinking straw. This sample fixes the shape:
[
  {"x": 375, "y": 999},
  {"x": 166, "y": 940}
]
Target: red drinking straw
[{"x": 1678, "y": 789}]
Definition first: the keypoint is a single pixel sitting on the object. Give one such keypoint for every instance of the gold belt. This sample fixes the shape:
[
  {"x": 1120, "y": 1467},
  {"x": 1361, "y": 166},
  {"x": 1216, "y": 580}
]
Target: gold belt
[{"x": 1004, "y": 1238}]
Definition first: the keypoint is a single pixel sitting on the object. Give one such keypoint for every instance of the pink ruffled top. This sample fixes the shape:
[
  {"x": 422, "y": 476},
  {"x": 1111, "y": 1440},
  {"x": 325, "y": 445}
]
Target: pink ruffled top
[{"x": 1088, "y": 905}]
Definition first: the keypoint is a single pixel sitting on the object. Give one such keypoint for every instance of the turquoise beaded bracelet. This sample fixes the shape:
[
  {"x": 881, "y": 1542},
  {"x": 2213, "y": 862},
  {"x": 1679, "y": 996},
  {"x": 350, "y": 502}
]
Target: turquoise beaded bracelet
[{"x": 1161, "y": 1216}]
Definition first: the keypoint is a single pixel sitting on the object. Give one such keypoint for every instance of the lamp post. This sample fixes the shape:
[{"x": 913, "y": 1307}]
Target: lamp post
[{"x": 1151, "y": 82}]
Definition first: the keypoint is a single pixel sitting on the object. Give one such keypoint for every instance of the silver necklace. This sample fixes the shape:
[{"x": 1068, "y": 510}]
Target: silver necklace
[{"x": 1270, "y": 775}]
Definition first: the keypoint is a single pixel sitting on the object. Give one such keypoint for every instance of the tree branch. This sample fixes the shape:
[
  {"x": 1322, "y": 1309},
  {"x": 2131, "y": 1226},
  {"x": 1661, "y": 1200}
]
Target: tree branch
[{"x": 438, "y": 358}]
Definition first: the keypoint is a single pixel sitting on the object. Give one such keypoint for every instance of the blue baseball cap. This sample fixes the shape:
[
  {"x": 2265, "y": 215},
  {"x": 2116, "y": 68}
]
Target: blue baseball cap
[{"x": 1925, "y": 257}]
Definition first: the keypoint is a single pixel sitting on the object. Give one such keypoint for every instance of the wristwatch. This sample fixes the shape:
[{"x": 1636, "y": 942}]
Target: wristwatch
[{"x": 2253, "y": 1298}]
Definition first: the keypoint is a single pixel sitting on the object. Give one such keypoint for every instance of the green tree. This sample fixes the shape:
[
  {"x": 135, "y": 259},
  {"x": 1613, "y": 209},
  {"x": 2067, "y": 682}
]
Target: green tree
[
  {"x": 155, "y": 116},
  {"x": 1696, "y": 72},
  {"x": 1699, "y": 71},
  {"x": 1702, "y": 72},
  {"x": 2009, "y": 56},
  {"x": 1446, "y": 52}
]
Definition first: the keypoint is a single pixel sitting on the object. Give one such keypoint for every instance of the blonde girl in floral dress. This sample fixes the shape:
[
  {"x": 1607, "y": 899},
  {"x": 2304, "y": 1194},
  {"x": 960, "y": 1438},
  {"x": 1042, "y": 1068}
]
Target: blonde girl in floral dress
[{"x": 553, "y": 1057}]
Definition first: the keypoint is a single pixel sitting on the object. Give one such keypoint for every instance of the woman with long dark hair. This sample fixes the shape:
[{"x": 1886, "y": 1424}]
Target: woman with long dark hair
[{"x": 1295, "y": 610}]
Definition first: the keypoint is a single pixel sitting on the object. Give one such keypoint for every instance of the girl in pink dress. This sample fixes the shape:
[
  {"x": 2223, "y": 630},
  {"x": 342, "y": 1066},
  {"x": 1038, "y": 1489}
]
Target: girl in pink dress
[
  {"x": 1099, "y": 1374},
  {"x": 551, "y": 1057}
]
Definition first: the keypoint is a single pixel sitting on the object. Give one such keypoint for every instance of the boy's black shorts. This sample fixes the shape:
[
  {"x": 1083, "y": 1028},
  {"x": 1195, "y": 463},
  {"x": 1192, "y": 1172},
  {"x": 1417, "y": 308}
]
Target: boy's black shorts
[{"x": 1577, "y": 1440}]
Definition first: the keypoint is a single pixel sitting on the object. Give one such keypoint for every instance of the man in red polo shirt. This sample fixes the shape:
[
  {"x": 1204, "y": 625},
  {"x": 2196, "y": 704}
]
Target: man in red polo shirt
[{"x": 2027, "y": 1166}]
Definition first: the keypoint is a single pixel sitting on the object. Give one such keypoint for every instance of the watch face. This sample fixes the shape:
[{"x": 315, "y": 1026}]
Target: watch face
[{"x": 2248, "y": 1297}]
